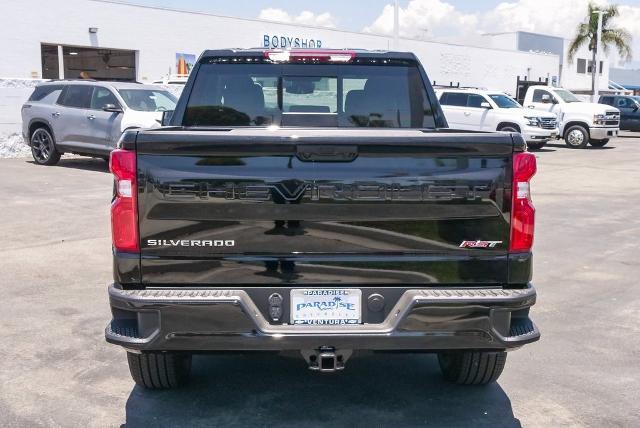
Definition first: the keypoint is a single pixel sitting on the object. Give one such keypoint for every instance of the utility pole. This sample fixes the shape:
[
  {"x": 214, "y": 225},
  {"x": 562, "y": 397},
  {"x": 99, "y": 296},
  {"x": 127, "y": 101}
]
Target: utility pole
[
  {"x": 595, "y": 68},
  {"x": 396, "y": 24}
]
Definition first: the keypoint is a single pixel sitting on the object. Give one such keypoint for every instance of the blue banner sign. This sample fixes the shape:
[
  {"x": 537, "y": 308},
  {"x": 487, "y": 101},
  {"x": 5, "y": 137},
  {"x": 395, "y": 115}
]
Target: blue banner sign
[{"x": 283, "y": 42}]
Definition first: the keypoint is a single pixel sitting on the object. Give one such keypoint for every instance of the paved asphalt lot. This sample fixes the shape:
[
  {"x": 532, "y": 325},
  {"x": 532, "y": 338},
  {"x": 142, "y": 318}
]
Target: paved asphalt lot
[{"x": 57, "y": 370}]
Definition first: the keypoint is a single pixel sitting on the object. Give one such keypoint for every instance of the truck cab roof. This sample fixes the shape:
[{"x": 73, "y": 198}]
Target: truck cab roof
[{"x": 263, "y": 52}]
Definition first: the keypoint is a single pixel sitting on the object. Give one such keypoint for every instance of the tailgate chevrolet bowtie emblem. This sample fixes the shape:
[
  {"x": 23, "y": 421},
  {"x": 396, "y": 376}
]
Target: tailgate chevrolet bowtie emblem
[{"x": 291, "y": 190}]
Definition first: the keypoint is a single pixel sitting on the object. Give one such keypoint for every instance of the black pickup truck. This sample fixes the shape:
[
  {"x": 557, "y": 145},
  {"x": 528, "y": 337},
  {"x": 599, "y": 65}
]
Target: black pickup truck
[{"x": 315, "y": 201}]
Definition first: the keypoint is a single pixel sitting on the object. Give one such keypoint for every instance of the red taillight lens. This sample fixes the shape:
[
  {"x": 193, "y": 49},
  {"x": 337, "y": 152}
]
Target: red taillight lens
[
  {"x": 124, "y": 209},
  {"x": 522, "y": 211}
]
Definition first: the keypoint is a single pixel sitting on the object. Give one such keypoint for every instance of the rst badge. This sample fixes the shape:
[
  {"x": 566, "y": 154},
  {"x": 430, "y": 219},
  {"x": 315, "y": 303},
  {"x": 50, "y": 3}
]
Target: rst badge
[{"x": 480, "y": 244}]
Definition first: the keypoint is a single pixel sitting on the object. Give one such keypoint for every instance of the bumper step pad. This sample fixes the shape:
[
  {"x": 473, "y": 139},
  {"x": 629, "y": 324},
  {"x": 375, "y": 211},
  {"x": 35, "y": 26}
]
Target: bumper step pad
[
  {"x": 522, "y": 327},
  {"x": 124, "y": 328}
]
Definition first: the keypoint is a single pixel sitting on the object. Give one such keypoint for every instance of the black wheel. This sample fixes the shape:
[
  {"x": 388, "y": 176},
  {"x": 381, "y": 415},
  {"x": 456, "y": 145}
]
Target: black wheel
[
  {"x": 576, "y": 137},
  {"x": 159, "y": 370},
  {"x": 43, "y": 147},
  {"x": 472, "y": 367},
  {"x": 599, "y": 143},
  {"x": 536, "y": 145}
]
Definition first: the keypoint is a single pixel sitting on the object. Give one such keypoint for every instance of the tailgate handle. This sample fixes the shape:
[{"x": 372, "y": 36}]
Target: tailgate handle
[{"x": 326, "y": 153}]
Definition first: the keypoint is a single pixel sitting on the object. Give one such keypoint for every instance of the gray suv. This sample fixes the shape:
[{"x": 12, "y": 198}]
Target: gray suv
[{"x": 88, "y": 117}]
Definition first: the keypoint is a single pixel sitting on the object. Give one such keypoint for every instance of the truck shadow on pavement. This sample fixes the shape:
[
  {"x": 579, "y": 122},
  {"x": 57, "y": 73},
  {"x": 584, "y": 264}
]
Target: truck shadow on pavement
[
  {"x": 270, "y": 390},
  {"x": 86, "y": 163},
  {"x": 589, "y": 147}
]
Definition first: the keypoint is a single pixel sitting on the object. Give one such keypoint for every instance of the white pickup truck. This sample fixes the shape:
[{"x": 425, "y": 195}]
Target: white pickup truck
[
  {"x": 482, "y": 110},
  {"x": 581, "y": 123}
]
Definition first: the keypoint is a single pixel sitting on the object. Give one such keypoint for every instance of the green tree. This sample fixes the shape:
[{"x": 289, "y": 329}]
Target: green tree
[{"x": 587, "y": 34}]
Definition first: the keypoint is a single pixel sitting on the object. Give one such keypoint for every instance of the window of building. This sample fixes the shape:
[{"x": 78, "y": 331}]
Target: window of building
[
  {"x": 87, "y": 62},
  {"x": 590, "y": 67},
  {"x": 49, "y": 57},
  {"x": 582, "y": 66}
]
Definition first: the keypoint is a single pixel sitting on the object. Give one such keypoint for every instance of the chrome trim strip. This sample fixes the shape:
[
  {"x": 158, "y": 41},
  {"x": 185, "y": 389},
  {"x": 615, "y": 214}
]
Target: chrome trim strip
[{"x": 404, "y": 305}]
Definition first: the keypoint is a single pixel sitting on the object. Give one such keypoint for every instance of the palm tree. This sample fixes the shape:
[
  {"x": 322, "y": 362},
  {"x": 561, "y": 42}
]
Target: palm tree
[{"x": 588, "y": 34}]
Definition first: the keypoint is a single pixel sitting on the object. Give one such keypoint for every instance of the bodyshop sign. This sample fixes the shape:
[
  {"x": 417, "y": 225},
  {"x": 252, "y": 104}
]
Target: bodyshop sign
[{"x": 283, "y": 42}]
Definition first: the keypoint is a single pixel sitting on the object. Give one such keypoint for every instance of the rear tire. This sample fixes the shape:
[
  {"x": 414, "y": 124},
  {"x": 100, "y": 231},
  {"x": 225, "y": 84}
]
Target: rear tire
[
  {"x": 43, "y": 147},
  {"x": 599, "y": 143},
  {"x": 472, "y": 367},
  {"x": 576, "y": 137},
  {"x": 159, "y": 370}
]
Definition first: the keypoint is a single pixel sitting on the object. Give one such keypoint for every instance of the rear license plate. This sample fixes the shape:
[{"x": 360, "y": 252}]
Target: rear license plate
[{"x": 326, "y": 306}]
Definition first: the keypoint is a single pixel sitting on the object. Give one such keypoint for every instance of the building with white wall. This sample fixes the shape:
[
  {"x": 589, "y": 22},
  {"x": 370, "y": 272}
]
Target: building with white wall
[
  {"x": 112, "y": 40},
  {"x": 573, "y": 74},
  {"x": 50, "y": 39}
]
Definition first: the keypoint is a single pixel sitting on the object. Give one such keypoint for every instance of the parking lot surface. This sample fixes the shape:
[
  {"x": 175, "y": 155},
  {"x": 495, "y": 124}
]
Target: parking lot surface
[{"x": 57, "y": 370}]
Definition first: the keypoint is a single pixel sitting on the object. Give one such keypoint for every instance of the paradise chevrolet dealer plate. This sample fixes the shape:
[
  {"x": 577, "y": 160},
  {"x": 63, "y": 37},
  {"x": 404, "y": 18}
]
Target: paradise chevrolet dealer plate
[{"x": 326, "y": 306}]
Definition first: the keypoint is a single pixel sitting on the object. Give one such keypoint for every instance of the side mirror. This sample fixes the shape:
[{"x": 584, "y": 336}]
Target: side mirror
[
  {"x": 635, "y": 107},
  {"x": 166, "y": 117},
  {"x": 546, "y": 99},
  {"x": 486, "y": 105},
  {"x": 111, "y": 108}
]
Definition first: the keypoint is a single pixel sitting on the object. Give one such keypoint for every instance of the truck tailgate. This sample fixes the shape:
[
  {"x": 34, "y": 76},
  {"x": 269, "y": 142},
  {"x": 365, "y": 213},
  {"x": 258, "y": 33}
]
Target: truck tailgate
[{"x": 322, "y": 206}]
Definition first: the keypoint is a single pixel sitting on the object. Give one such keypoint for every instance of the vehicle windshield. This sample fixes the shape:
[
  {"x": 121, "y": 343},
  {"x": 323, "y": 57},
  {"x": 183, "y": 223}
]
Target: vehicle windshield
[
  {"x": 567, "y": 96},
  {"x": 504, "y": 101},
  {"x": 309, "y": 95},
  {"x": 148, "y": 99}
]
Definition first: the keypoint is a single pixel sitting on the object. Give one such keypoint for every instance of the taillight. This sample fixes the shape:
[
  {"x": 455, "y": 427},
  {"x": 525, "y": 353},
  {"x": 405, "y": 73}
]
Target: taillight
[
  {"x": 310, "y": 55},
  {"x": 124, "y": 209},
  {"x": 522, "y": 211}
]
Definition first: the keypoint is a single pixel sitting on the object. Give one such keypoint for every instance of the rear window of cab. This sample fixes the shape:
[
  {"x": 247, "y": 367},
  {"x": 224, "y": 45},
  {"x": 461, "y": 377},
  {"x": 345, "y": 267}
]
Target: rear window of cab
[{"x": 308, "y": 95}]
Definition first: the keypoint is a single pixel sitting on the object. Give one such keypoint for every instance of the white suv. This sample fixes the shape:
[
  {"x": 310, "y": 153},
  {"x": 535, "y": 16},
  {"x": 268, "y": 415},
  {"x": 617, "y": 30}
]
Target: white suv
[{"x": 482, "y": 110}]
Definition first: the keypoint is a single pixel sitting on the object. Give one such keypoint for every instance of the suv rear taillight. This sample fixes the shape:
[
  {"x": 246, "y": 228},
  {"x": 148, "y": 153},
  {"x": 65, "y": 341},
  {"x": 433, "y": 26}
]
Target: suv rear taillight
[
  {"x": 522, "y": 211},
  {"x": 124, "y": 208}
]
